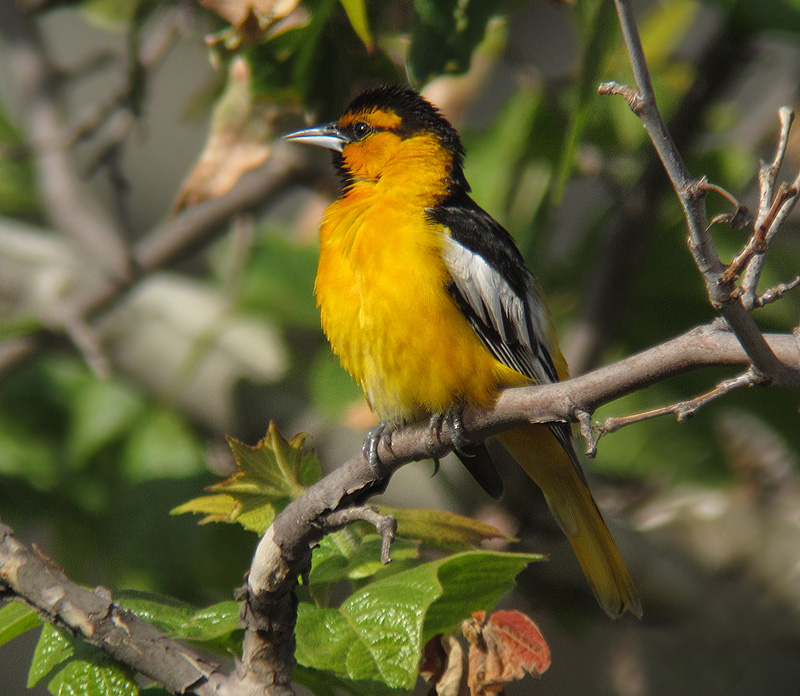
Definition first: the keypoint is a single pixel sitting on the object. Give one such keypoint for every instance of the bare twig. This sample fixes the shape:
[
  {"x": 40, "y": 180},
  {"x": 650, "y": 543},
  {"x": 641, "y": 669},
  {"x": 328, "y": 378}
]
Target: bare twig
[
  {"x": 620, "y": 259},
  {"x": 722, "y": 292},
  {"x": 683, "y": 410},
  {"x": 773, "y": 210},
  {"x": 775, "y": 293},
  {"x": 386, "y": 525},
  {"x": 757, "y": 244}
]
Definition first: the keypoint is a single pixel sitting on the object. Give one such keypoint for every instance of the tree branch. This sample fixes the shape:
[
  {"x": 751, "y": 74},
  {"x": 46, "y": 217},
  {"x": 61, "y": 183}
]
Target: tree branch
[
  {"x": 69, "y": 203},
  {"x": 27, "y": 573},
  {"x": 722, "y": 291},
  {"x": 164, "y": 246},
  {"x": 284, "y": 553}
]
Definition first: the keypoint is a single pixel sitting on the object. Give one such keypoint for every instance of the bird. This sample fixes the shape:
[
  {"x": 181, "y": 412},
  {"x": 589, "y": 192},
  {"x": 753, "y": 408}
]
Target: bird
[{"x": 429, "y": 305}]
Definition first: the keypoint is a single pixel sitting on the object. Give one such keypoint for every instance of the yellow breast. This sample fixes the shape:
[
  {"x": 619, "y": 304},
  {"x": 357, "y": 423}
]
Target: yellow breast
[{"x": 381, "y": 289}]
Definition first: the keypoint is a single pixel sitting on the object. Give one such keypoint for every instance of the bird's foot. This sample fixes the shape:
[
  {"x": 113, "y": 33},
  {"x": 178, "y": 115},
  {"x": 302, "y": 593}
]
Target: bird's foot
[
  {"x": 455, "y": 424},
  {"x": 380, "y": 434}
]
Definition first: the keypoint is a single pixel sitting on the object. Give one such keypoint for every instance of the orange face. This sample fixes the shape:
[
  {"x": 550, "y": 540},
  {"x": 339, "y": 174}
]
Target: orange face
[{"x": 379, "y": 147}]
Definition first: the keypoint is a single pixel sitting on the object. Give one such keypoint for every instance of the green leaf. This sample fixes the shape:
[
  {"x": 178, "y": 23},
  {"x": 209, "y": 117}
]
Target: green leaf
[
  {"x": 180, "y": 620},
  {"x": 54, "y": 647},
  {"x": 279, "y": 280},
  {"x": 270, "y": 475},
  {"x": 161, "y": 446},
  {"x": 444, "y": 36},
  {"x": 330, "y": 563},
  {"x": 331, "y": 387},
  {"x": 94, "y": 675},
  {"x": 103, "y": 411},
  {"x": 357, "y": 14},
  {"x": 322, "y": 683},
  {"x": 378, "y": 632},
  {"x": 440, "y": 529},
  {"x": 15, "y": 619}
]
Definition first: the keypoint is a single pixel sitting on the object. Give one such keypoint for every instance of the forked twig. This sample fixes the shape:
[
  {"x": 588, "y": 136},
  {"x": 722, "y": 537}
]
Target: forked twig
[{"x": 723, "y": 293}]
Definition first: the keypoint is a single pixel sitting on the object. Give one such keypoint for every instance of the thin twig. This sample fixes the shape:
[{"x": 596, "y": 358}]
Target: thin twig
[
  {"x": 386, "y": 525},
  {"x": 775, "y": 293},
  {"x": 757, "y": 244},
  {"x": 771, "y": 216},
  {"x": 723, "y": 293},
  {"x": 683, "y": 410}
]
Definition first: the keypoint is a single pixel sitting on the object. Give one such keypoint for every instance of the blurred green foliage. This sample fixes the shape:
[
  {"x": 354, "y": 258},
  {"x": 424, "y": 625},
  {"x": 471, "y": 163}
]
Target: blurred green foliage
[{"x": 85, "y": 460}]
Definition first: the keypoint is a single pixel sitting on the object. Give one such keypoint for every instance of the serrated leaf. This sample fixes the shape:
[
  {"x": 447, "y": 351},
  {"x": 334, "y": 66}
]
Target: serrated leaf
[
  {"x": 53, "y": 648},
  {"x": 15, "y": 619},
  {"x": 441, "y": 529},
  {"x": 378, "y": 632},
  {"x": 357, "y": 14},
  {"x": 270, "y": 475},
  {"x": 330, "y": 564},
  {"x": 180, "y": 620}
]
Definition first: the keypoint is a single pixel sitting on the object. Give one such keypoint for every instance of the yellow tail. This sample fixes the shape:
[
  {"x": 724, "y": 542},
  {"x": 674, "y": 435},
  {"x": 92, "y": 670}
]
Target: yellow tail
[{"x": 552, "y": 469}]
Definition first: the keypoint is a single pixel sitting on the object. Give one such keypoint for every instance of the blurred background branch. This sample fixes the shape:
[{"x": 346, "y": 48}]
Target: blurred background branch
[{"x": 157, "y": 258}]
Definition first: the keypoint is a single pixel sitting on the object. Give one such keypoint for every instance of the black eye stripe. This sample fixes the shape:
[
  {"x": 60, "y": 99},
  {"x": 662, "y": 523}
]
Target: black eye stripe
[{"x": 358, "y": 130}]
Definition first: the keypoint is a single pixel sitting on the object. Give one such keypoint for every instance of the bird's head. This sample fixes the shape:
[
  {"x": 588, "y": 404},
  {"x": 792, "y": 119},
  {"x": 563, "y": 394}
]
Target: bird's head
[{"x": 389, "y": 133}]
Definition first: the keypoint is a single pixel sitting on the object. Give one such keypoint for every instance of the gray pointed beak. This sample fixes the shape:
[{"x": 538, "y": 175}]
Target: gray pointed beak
[{"x": 328, "y": 136}]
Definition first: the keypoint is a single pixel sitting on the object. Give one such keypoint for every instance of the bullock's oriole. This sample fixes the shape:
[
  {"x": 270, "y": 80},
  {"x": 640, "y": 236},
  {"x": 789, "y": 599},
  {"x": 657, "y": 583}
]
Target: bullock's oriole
[{"x": 427, "y": 302}]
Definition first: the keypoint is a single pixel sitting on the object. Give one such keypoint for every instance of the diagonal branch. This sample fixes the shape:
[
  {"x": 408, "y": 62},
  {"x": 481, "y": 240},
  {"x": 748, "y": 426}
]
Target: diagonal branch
[
  {"x": 722, "y": 291},
  {"x": 67, "y": 200},
  {"x": 284, "y": 552},
  {"x": 27, "y": 573},
  {"x": 165, "y": 245}
]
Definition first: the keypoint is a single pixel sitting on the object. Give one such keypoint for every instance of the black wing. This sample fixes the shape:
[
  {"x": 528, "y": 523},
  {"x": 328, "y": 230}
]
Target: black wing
[
  {"x": 495, "y": 292},
  {"x": 493, "y": 288}
]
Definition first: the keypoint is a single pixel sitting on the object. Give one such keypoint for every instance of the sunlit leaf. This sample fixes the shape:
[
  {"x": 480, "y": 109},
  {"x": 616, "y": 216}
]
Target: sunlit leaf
[
  {"x": 378, "y": 632},
  {"x": 441, "y": 529},
  {"x": 357, "y": 14},
  {"x": 15, "y": 619},
  {"x": 269, "y": 476},
  {"x": 331, "y": 563},
  {"x": 183, "y": 621}
]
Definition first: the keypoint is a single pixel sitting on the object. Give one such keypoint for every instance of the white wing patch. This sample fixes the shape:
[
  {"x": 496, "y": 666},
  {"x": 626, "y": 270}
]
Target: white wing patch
[{"x": 512, "y": 326}]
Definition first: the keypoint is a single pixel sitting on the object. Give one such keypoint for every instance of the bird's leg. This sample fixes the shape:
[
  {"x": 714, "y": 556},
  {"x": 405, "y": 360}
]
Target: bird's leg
[
  {"x": 381, "y": 433},
  {"x": 456, "y": 426}
]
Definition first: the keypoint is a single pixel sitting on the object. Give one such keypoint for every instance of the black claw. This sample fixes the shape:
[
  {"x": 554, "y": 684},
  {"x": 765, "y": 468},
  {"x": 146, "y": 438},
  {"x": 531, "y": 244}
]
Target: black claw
[
  {"x": 435, "y": 461},
  {"x": 381, "y": 433},
  {"x": 456, "y": 425},
  {"x": 435, "y": 426}
]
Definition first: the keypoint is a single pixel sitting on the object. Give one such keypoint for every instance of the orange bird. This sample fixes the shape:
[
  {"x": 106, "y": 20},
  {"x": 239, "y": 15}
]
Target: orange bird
[{"x": 427, "y": 302}]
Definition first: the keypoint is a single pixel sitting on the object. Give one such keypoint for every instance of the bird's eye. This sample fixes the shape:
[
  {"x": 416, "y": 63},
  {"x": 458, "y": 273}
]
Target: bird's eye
[{"x": 361, "y": 129}]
